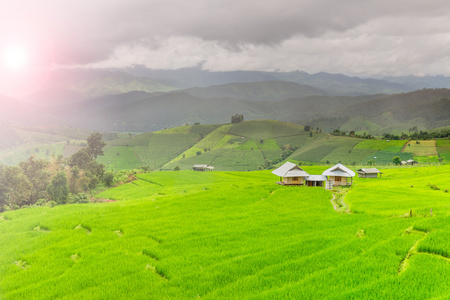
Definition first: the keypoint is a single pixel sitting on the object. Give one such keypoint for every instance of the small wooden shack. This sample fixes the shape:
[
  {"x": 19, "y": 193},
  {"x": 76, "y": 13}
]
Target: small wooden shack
[
  {"x": 339, "y": 175},
  {"x": 368, "y": 173},
  {"x": 290, "y": 174},
  {"x": 411, "y": 162},
  {"x": 316, "y": 180},
  {"x": 202, "y": 168}
]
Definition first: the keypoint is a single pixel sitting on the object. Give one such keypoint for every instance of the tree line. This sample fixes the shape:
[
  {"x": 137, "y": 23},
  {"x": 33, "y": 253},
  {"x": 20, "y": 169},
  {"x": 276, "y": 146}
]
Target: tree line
[{"x": 55, "y": 181}]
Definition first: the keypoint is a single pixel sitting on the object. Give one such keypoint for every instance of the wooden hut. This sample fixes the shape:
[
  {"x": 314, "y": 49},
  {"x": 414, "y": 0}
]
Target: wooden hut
[
  {"x": 368, "y": 173},
  {"x": 290, "y": 174},
  {"x": 202, "y": 168},
  {"x": 316, "y": 180},
  {"x": 339, "y": 175}
]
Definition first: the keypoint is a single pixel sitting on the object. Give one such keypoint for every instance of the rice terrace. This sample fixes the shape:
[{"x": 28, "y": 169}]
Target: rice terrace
[
  {"x": 225, "y": 235},
  {"x": 206, "y": 149}
]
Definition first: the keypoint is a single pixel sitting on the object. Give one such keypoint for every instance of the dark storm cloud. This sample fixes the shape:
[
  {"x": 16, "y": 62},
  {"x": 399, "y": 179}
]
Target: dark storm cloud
[{"x": 83, "y": 31}]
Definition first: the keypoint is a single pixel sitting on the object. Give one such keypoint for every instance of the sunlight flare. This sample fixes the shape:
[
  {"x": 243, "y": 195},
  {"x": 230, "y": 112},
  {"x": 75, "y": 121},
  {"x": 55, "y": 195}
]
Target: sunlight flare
[{"x": 15, "y": 57}]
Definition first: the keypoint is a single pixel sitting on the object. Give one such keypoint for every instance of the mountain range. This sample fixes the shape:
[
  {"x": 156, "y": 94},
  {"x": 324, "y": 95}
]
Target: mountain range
[{"x": 140, "y": 99}]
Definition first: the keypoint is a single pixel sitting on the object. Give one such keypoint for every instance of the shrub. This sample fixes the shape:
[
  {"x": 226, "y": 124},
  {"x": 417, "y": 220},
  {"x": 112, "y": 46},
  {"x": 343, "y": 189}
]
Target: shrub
[
  {"x": 108, "y": 178},
  {"x": 177, "y": 168},
  {"x": 433, "y": 187}
]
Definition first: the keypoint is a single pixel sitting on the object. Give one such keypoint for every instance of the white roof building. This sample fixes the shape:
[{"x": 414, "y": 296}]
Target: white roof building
[
  {"x": 339, "y": 170},
  {"x": 290, "y": 170}
]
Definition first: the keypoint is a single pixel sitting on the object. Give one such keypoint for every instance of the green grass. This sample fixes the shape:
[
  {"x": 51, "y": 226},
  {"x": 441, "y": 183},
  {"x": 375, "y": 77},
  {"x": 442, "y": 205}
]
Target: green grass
[
  {"x": 423, "y": 148},
  {"x": 385, "y": 157},
  {"x": 443, "y": 147},
  {"x": 120, "y": 157},
  {"x": 264, "y": 129},
  {"x": 12, "y": 158},
  {"x": 234, "y": 235},
  {"x": 391, "y": 146}
]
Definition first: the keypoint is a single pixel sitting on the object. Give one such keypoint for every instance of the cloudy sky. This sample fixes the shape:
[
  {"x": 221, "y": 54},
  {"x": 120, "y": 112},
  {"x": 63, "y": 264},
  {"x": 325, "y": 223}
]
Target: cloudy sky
[{"x": 353, "y": 37}]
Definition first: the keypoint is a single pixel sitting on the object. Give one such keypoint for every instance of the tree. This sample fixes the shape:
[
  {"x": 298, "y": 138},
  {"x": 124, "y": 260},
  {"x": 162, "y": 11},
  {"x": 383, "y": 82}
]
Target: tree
[
  {"x": 95, "y": 145},
  {"x": 397, "y": 160},
  {"x": 18, "y": 187},
  {"x": 237, "y": 118},
  {"x": 39, "y": 177},
  {"x": 108, "y": 178},
  {"x": 80, "y": 159},
  {"x": 58, "y": 189}
]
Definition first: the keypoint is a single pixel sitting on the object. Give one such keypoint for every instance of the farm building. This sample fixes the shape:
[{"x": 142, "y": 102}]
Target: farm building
[
  {"x": 202, "y": 168},
  {"x": 339, "y": 175},
  {"x": 368, "y": 173},
  {"x": 409, "y": 162},
  {"x": 316, "y": 180},
  {"x": 290, "y": 174}
]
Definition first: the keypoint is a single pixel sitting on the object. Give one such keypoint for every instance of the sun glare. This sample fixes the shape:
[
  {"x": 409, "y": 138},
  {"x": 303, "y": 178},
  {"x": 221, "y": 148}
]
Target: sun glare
[{"x": 15, "y": 57}]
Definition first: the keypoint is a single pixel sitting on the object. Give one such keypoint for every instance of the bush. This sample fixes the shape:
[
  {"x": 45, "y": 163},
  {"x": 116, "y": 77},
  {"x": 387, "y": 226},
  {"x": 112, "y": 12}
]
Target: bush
[
  {"x": 41, "y": 202},
  {"x": 78, "y": 198},
  {"x": 198, "y": 152},
  {"x": 108, "y": 178},
  {"x": 52, "y": 203},
  {"x": 433, "y": 187},
  {"x": 177, "y": 168}
]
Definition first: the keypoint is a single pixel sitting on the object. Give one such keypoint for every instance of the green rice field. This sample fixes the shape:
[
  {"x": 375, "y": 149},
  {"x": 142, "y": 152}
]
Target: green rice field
[
  {"x": 236, "y": 235},
  {"x": 421, "y": 148}
]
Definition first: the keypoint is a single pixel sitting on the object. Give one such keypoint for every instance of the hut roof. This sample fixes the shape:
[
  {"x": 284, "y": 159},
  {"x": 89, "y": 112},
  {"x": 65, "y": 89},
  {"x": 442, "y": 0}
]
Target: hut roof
[
  {"x": 339, "y": 170},
  {"x": 368, "y": 171},
  {"x": 290, "y": 170},
  {"x": 200, "y": 166},
  {"x": 316, "y": 178}
]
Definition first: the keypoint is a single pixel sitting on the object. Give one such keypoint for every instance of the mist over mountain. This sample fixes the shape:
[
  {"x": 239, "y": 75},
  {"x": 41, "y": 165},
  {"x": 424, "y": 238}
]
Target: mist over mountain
[
  {"x": 148, "y": 100},
  {"x": 334, "y": 84}
]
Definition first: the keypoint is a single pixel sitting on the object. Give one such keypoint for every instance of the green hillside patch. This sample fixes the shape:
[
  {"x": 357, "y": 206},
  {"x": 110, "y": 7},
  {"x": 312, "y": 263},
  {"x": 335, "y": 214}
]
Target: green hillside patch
[
  {"x": 294, "y": 140},
  {"x": 314, "y": 154},
  {"x": 267, "y": 144},
  {"x": 264, "y": 129},
  {"x": 14, "y": 157},
  {"x": 443, "y": 147},
  {"x": 343, "y": 153},
  {"x": 421, "y": 148},
  {"x": 120, "y": 158},
  {"x": 223, "y": 160},
  {"x": 427, "y": 159},
  {"x": 235, "y": 235},
  {"x": 132, "y": 140},
  {"x": 385, "y": 157},
  {"x": 359, "y": 124},
  {"x": 319, "y": 147},
  {"x": 391, "y": 145}
]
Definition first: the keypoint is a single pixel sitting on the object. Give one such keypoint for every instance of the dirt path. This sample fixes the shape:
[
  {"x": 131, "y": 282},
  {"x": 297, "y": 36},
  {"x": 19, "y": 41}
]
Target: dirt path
[{"x": 338, "y": 201}]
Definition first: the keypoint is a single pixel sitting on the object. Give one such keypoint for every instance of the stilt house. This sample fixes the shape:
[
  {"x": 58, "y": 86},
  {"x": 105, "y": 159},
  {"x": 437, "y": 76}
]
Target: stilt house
[
  {"x": 368, "y": 173},
  {"x": 202, "y": 168},
  {"x": 339, "y": 175},
  {"x": 290, "y": 174}
]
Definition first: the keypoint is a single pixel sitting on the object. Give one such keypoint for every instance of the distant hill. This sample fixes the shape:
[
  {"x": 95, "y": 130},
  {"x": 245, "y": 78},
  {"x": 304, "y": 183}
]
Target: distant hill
[
  {"x": 333, "y": 84},
  {"x": 339, "y": 84},
  {"x": 118, "y": 83},
  {"x": 257, "y": 91},
  {"x": 251, "y": 145}
]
